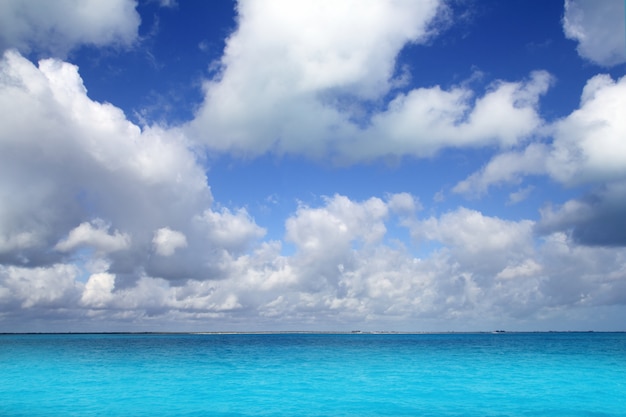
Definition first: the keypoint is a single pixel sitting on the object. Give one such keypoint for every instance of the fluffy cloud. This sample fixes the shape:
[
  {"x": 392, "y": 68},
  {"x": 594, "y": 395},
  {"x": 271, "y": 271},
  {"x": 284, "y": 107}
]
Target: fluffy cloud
[
  {"x": 232, "y": 231},
  {"x": 287, "y": 63},
  {"x": 505, "y": 168},
  {"x": 112, "y": 225},
  {"x": 58, "y": 27},
  {"x": 86, "y": 182},
  {"x": 599, "y": 29},
  {"x": 482, "y": 272},
  {"x": 166, "y": 241},
  {"x": 333, "y": 228},
  {"x": 426, "y": 120},
  {"x": 588, "y": 149},
  {"x": 486, "y": 244},
  {"x": 51, "y": 288},
  {"x": 296, "y": 78},
  {"x": 587, "y": 145},
  {"x": 94, "y": 234},
  {"x": 98, "y": 290}
]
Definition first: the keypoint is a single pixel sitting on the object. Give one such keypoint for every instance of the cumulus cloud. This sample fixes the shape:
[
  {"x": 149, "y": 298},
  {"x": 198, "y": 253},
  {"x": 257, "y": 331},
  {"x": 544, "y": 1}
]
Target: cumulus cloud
[
  {"x": 233, "y": 231},
  {"x": 113, "y": 225},
  {"x": 427, "y": 120},
  {"x": 599, "y": 28},
  {"x": 58, "y": 27},
  {"x": 481, "y": 241},
  {"x": 83, "y": 176},
  {"x": 589, "y": 144},
  {"x": 587, "y": 148},
  {"x": 337, "y": 224},
  {"x": 98, "y": 290},
  {"x": 96, "y": 235},
  {"x": 53, "y": 287},
  {"x": 484, "y": 271},
  {"x": 312, "y": 78},
  {"x": 287, "y": 63},
  {"x": 166, "y": 241}
]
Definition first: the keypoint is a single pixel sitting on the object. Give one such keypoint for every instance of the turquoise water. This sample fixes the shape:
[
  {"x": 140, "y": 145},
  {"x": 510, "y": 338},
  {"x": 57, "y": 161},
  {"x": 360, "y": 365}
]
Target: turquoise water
[{"x": 511, "y": 374}]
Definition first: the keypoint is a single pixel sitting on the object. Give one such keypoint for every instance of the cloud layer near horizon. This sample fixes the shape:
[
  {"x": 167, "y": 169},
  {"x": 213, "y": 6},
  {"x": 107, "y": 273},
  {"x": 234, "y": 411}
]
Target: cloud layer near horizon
[{"x": 110, "y": 225}]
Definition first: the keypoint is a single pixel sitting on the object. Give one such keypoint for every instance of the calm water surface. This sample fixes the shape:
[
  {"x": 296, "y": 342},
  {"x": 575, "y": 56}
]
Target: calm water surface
[{"x": 511, "y": 374}]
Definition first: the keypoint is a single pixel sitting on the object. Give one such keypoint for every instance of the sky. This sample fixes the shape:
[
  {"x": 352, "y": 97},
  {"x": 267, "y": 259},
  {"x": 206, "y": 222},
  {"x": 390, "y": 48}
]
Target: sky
[{"x": 432, "y": 165}]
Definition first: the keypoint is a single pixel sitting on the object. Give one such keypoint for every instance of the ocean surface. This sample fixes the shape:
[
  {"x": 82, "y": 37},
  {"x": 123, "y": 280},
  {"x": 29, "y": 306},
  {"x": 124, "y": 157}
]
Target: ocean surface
[{"x": 509, "y": 374}]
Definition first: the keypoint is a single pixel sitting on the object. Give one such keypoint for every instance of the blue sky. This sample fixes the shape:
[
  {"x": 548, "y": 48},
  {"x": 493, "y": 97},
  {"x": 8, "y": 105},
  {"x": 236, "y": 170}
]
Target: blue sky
[{"x": 417, "y": 166}]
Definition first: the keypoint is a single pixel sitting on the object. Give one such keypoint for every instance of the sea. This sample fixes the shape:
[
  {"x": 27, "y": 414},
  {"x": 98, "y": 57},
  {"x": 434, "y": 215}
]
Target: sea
[{"x": 313, "y": 374}]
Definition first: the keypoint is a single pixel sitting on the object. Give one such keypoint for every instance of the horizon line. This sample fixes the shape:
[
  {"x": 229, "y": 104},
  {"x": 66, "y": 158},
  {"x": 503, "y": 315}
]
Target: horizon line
[{"x": 320, "y": 332}]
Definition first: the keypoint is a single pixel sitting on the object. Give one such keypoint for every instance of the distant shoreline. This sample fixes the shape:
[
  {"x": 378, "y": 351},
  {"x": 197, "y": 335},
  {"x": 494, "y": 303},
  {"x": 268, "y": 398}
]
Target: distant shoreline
[{"x": 304, "y": 332}]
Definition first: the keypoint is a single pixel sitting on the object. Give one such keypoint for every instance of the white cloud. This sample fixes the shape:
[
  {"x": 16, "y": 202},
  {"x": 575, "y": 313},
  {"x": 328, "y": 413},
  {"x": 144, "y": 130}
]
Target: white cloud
[
  {"x": 525, "y": 269},
  {"x": 587, "y": 145},
  {"x": 98, "y": 290},
  {"x": 487, "y": 244},
  {"x": 505, "y": 168},
  {"x": 58, "y": 27},
  {"x": 232, "y": 231},
  {"x": 348, "y": 45},
  {"x": 69, "y": 160},
  {"x": 331, "y": 230},
  {"x": 486, "y": 271},
  {"x": 599, "y": 28},
  {"x": 287, "y": 64},
  {"x": 166, "y": 241},
  {"x": 588, "y": 149},
  {"x": 300, "y": 78},
  {"x": 54, "y": 287},
  {"x": 426, "y": 120},
  {"x": 582, "y": 275},
  {"x": 96, "y": 235}
]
